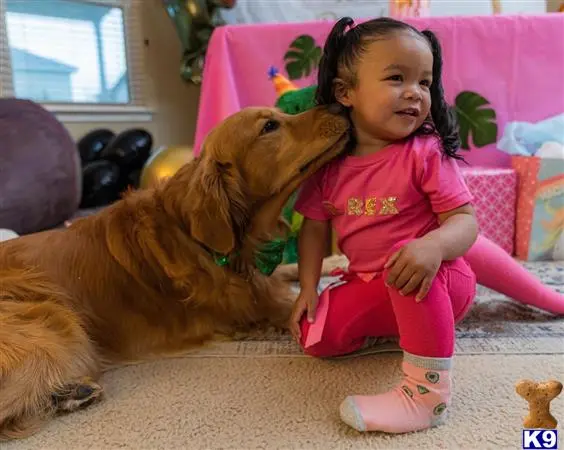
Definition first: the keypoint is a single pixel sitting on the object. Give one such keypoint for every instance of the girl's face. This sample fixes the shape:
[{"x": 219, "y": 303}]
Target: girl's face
[{"x": 391, "y": 98}]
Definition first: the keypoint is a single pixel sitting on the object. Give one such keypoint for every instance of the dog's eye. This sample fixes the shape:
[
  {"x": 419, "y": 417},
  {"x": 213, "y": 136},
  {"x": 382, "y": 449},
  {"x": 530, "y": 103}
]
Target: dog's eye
[{"x": 269, "y": 126}]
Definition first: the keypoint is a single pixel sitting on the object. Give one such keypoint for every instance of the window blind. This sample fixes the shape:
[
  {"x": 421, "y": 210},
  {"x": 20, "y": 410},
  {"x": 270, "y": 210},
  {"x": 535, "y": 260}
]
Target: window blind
[
  {"x": 135, "y": 50},
  {"x": 72, "y": 51},
  {"x": 5, "y": 67}
]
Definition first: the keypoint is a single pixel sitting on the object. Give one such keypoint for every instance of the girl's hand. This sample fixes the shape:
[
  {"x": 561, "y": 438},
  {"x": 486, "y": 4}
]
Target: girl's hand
[
  {"x": 414, "y": 266},
  {"x": 306, "y": 302}
]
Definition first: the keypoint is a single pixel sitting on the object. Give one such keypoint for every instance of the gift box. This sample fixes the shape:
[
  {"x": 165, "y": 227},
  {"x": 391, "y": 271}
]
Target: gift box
[
  {"x": 539, "y": 234},
  {"x": 495, "y": 196}
]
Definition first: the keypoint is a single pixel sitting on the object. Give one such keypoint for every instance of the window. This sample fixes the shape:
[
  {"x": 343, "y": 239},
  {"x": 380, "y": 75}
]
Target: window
[{"x": 76, "y": 53}]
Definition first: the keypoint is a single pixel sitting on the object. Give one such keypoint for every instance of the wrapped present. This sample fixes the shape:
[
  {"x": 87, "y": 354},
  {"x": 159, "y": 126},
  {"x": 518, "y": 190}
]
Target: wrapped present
[
  {"x": 495, "y": 195},
  {"x": 540, "y": 208}
]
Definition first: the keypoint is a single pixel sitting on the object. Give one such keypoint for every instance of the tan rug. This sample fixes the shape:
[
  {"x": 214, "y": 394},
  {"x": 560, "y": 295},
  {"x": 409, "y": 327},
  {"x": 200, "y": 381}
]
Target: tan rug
[
  {"x": 289, "y": 403},
  {"x": 263, "y": 394}
]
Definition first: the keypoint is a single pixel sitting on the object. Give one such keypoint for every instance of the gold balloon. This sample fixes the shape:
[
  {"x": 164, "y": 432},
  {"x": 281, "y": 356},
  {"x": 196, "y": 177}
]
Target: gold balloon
[{"x": 163, "y": 164}]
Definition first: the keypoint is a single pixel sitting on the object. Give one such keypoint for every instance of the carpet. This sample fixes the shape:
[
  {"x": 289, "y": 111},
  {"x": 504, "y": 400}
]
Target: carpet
[{"x": 262, "y": 393}]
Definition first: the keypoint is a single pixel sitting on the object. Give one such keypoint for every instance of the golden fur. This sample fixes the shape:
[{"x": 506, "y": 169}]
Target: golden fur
[{"x": 137, "y": 280}]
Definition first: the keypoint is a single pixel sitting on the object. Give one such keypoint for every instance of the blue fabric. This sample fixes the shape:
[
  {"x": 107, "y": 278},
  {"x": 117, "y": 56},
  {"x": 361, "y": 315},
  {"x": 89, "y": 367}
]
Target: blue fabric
[{"x": 524, "y": 138}]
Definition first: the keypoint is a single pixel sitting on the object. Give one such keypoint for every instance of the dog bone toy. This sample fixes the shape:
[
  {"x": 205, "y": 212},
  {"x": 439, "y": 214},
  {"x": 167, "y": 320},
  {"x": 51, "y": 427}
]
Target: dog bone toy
[{"x": 539, "y": 396}]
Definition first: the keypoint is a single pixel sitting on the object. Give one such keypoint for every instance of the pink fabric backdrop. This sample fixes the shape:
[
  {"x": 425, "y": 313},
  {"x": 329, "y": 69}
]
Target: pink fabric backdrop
[{"x": 516, "y": 62}]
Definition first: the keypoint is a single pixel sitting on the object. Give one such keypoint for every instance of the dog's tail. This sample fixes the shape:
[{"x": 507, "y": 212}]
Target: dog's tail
[
  {"x": 18, "y": 284},
  {"x": 43, "y": 348}
]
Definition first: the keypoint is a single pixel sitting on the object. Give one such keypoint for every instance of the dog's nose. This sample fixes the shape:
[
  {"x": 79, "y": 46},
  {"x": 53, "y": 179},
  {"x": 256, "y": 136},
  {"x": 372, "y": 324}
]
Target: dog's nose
[{"x": 336, "y": 108}]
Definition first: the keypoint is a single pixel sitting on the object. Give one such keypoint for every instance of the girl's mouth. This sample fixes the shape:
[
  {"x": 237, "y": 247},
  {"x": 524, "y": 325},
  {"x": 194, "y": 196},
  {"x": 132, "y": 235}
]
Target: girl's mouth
[{"x": 410, "y": 112}]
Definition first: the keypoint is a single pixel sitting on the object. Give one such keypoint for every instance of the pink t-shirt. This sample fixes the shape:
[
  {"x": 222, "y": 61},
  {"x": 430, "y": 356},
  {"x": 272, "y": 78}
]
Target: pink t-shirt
[{"x": 378, "y": 200}]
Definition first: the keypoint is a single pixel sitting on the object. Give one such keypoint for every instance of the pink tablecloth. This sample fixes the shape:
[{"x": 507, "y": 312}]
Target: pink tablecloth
[{"x": 515, "y": 62}]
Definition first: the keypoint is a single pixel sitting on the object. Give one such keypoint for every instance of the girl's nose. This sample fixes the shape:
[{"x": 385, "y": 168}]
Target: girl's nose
[{"x": 412, "y": 93}]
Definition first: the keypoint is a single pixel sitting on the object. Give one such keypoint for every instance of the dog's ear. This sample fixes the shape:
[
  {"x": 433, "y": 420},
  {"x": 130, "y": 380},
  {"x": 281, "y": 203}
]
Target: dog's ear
[
  {"x": 208, "y": 197},
  {"x": 209, "y": 209},
  {"x": 217, "y": 205}
]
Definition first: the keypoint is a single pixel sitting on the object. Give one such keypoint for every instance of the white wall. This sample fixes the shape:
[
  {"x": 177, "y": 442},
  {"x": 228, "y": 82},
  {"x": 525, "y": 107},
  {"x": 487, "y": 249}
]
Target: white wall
[
  {"x": 480, "y": 7},
  {"x": 255, "y": 11},
  {"x": 268, "y": 11}
]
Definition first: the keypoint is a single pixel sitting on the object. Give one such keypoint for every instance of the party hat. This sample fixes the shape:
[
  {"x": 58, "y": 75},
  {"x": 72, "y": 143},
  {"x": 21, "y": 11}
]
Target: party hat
[{"x": 281, "y": 83}]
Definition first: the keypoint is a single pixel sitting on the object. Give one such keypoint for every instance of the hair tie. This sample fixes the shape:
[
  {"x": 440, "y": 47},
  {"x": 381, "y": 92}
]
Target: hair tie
[{"x": 349, "y": 25}]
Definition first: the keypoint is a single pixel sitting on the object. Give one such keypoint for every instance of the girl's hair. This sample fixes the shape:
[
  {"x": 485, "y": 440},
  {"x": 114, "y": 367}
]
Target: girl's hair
[{"x": 344, "y": 48}]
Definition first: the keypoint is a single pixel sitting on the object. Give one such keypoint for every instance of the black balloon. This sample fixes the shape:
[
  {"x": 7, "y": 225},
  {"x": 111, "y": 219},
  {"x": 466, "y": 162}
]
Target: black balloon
[
  {"x": 90, "y": 146},
  {"x": 133, "y": 178},
  {"x": 111, "y": 164},
  {"x": 101, "y": 184},
  {"x": 129, "y": 149}
]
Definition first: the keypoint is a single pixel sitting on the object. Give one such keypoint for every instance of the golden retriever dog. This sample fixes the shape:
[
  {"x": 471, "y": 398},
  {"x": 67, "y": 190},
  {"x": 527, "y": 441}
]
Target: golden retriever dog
[{"x": 141, "y": 279}]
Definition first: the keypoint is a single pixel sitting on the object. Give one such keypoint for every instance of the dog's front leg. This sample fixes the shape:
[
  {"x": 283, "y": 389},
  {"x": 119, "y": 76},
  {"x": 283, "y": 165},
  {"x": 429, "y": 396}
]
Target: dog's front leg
[{"x": 275, "y": 300}]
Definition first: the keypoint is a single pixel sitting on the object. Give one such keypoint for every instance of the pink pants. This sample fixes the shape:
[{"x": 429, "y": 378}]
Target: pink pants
[{"x": 360, "y": 309}]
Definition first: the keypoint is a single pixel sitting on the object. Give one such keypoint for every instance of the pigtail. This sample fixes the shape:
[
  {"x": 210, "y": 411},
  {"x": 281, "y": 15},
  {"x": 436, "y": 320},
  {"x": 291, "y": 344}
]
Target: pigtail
[
  {"x": 444, "y": 119},
  {"x": 329, "y": 64}
]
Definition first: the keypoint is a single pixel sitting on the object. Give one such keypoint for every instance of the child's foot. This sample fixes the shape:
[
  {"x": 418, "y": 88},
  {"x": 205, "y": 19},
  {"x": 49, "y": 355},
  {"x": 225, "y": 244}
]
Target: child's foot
[{"x": 418, "y": 402}]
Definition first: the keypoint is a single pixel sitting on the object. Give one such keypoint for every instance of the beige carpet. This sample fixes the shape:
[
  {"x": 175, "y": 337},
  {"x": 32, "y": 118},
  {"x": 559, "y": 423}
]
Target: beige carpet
[
  {"x": 289, "y": 403},
  {"x": 263, "y": 394}
]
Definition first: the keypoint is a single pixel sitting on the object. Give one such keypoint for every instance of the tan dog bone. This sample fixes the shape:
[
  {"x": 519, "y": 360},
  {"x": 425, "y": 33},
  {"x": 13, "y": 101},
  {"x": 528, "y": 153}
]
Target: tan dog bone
[{"x": 539, "y": 396}]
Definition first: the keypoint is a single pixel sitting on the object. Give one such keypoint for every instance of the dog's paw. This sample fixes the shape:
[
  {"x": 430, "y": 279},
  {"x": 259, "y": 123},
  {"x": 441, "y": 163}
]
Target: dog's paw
[{"x": 76, "y": 395}]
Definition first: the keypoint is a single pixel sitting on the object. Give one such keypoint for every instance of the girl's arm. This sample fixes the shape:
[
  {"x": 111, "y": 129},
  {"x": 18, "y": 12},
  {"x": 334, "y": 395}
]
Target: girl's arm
[
  {"x": 311, "y": 250},
  {"x": 457, "y": 233},
  {"x": 416, "y": 264},
  {"x": 312, "y": 245}
]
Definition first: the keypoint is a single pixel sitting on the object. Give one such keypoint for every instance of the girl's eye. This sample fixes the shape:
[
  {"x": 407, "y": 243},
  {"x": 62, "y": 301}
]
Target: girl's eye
[
  {"x": 426, "y": 83},
  {"x": 270, "y": 126},
  {"x": 395, "y": 78}
]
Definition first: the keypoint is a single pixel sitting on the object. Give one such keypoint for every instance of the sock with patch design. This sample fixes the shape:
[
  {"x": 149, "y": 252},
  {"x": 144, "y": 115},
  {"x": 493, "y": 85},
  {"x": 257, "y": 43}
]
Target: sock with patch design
[{"x": 418, "y": 402}]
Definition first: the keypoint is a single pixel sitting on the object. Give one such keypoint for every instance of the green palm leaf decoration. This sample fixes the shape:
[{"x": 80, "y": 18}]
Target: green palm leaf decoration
[
  {"x": 475, "y": 118},
  {"x": 302, "y": 57}
]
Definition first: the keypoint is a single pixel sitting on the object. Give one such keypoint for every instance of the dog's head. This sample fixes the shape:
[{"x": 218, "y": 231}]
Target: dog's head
[{"x": 249, "y": 166}]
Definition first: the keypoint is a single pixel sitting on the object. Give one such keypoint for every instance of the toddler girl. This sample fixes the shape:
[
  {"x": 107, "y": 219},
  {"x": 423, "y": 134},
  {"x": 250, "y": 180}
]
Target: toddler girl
[{"x": 403, "y": 217}]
